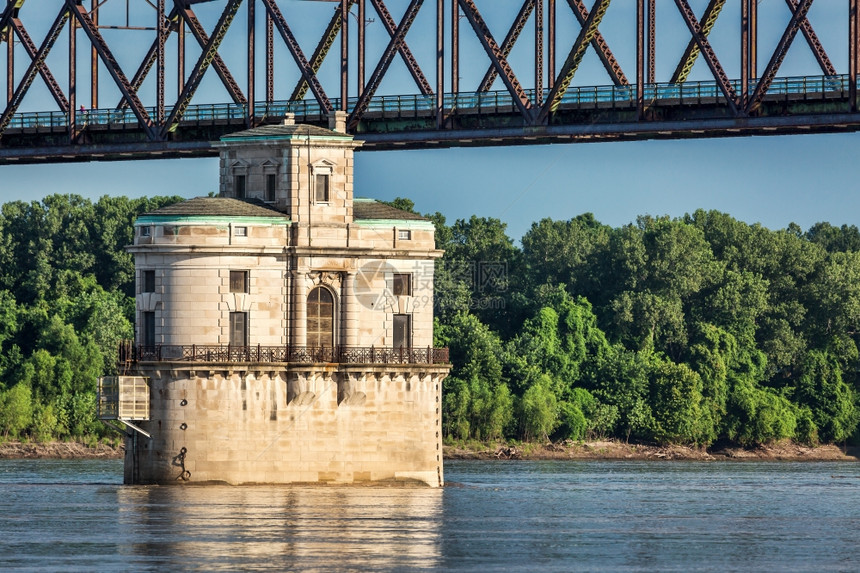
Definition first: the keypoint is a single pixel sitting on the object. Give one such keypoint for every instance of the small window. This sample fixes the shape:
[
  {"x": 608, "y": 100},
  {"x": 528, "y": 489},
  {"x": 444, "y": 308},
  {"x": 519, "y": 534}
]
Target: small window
[
  {"x": 240, "y": 231},
  {"x": 402, "y": 331},
  {"x": 239, "y": 329},
  {"x": 271, "y": 183},
  {"x": 148, "y": 281},
  {"x": 404, "y": 234},
  {"x": 239, "y": 186},
  {"x": 322, "y": 187},
  {"x": 402, "y": 284},
  {"x": 146, "y": 231},
  {"x": 238, "y": 281},
  {"x": 147, "y": 334}
]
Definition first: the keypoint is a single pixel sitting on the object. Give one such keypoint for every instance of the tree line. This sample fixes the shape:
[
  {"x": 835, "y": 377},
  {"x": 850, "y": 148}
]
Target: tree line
[
  {"x": 690, "y": 330},
  {"x": 667, "y": 330},
  {"x": 66, "y": 300}
]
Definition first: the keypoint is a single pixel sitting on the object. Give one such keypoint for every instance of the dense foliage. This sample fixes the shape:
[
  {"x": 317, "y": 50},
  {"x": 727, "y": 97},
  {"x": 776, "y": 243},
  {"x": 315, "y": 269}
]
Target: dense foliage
[
  {"x": 686, "y": 330},
  {"x": 66, "y": 300}
]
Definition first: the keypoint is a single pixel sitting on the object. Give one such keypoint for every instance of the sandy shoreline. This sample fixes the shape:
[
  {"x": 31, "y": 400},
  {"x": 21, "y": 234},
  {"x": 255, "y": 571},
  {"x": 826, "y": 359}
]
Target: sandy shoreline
[
  {"x": 58, "y": 451},
  {"x": 600, "y": 450},
  {"x": 614, "y": 450}
]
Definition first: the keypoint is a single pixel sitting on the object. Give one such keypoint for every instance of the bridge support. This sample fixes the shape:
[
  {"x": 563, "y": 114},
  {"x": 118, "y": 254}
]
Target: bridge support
[{"x": 853, "y": 51}]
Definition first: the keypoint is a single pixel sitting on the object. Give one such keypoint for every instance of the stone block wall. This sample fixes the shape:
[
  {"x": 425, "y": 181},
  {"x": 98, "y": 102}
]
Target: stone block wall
[{"x": 281, "y": 424}]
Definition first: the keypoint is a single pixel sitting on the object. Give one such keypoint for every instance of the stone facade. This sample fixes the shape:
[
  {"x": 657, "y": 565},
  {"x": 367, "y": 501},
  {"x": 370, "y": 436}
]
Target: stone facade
[{"x": 285, "y": 326}]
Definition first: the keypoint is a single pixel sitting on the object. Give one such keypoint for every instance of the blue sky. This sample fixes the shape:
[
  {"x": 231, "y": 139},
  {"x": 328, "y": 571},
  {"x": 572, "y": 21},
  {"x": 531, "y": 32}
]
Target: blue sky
[{"x": 771, "y": 180}]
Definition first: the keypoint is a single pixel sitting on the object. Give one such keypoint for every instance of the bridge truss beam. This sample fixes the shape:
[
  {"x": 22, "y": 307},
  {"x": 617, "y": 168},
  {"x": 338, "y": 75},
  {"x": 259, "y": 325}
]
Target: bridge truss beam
[{"x": 408, "y": 38}]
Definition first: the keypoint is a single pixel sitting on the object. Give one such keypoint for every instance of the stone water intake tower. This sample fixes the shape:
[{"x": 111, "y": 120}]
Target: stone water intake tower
[{"x": 284, "y": 329}]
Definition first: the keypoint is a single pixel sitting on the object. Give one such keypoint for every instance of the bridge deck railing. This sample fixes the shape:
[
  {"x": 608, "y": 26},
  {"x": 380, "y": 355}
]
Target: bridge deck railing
[{"x": 425, "y": 105}]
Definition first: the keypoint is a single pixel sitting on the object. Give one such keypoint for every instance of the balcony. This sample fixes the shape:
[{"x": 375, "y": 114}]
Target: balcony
[{"x": 130, "y": 354}]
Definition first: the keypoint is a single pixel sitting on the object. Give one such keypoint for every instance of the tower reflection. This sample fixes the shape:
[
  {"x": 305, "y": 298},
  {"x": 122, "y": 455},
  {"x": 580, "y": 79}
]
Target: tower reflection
[{"x": 283, "y": 527}]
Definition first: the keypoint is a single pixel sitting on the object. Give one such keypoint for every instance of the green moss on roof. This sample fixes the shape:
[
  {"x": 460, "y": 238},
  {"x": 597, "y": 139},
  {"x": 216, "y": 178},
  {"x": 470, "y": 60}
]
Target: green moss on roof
[
  {"x": 218, "y": 207},
  {"x": 372, "y": 209}
]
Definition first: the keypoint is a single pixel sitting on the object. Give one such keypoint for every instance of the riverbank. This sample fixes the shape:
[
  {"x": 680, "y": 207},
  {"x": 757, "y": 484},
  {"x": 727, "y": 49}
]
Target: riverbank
[
  {"x": 616, "y": 450},
  {"x": 598, "y": 450},
  {"x": 59, "y": 450}
]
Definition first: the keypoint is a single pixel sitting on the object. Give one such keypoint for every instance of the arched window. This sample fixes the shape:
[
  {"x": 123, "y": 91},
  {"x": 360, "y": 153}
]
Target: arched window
[{"x": 320, "y": 318}]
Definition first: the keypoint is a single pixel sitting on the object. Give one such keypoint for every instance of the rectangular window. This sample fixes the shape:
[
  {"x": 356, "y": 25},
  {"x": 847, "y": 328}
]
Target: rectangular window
[
  {"x": 271, "y": 183},
  {"x": 147, "y": 334},
  {"x": 240, "y": 231},
  {"x": 146, "y": 231},
  {"x": 238, "y": 281},
  {"x": 239, "y": 184},
  {"x": 402, "y": 331},
  {"x": 402, "y": 284},
  {"x": 322, "y": 188},
  {"x": 404, "y": 234},
  {"x": 238, "y": 329},
  {"x": 148, "y": 281}
]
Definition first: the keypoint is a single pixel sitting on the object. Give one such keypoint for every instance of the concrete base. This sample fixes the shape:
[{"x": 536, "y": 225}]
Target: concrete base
[{"x": 279, "y": 423}]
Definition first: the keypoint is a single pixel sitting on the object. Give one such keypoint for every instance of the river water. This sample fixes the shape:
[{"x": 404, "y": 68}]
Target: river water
[{"x": 494, "y": 516}]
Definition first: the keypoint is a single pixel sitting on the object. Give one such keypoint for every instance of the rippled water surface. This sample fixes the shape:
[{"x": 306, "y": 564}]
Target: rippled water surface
[{"x": 493, "y": 516}]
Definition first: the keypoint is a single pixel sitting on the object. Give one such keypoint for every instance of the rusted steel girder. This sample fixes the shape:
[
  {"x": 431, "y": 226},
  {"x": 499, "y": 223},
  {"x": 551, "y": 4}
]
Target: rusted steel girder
[
  {"x": 30, "y": 47},
  {"x": 403, "y": 49},
  {"x": 397, "y": 40},
  {"x": 206, "y": 58},
  {"x": 853, "y": 51},
  {"x": 779, "y": 54},
  {"x": 280, "y": 23},
  {"x": 691, "y": 53},
  {"x": 80, "y": 14},
  {"x": 160, "y": 38},
  {"x": 574, "y": 58},
  {"x": 813, "y": 41},
  {"x": 270, "y": 59},
  {"x": 35, "y": 64},
  {"x": 539, "y": 57},
  {"x": 498, "y": 59},
  {"x": 188, "y": 15},
  {"x": 600, "y": 46},
  {"x": 708, "y": 53},
  {"x": 148, "y": 61},
  {"x": 513, "y": 35},
  {"x": 252, "y": 57},
  {"x": 322, "y": 50}
]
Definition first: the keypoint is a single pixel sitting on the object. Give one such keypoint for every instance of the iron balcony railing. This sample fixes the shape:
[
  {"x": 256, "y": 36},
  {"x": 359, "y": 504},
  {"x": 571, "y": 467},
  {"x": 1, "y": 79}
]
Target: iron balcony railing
[
  {"x": 289, "y": 354},
  {"x": 790, "y": 88}
]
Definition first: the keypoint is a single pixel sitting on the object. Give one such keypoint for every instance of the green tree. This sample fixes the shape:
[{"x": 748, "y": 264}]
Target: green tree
[
  {"x": 538, "y": 410},
  {"x": 831, "y": 401},
  {"x": 16, "y": 410},
  {"x": 478, "y": 403}
]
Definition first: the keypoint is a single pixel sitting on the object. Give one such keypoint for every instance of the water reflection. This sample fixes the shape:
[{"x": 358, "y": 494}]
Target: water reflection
[{"x": 225, "y": 527}]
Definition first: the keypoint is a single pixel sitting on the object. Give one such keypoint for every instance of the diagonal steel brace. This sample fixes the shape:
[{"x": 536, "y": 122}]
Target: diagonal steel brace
[
  {"x": 497, "y": 58},
  {"x": 599, "y": 43},
  {"x": 568, "y": 70},
  {"x": 405, "y": 52},
  {"x": 203, "y": 63},
  {"x": 37, "y": 62},
  {"x": 779, "y": 54},
  {"x": 707, "y": 52},
  {"x": 384, "y": 62},
  {"x": 307, "y": 72},
  {"x": 113, "y": 68},
  {"x": 691, "y": 53}
]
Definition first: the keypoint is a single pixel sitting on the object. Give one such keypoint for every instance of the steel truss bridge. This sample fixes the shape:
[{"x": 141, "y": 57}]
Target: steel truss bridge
[{"x": 446, "y": 108}]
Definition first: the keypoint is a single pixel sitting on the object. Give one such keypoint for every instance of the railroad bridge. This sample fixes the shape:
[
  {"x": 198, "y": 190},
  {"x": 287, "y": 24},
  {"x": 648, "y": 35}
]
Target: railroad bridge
[{"x": 413, "y": 73}]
